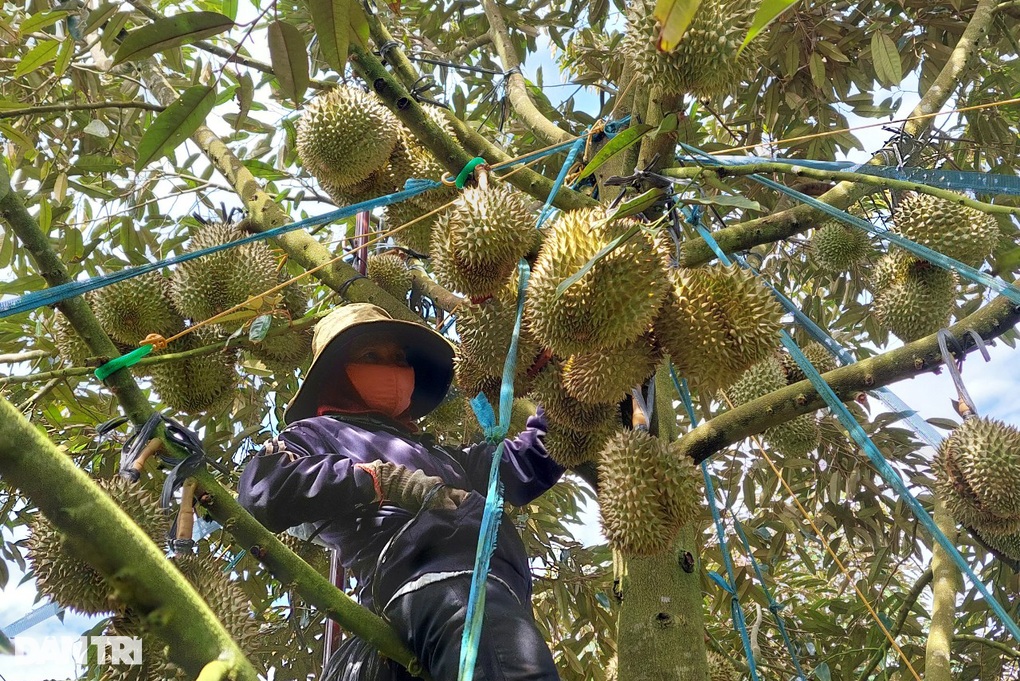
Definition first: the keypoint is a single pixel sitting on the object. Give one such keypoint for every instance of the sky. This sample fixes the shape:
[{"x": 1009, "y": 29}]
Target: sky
[{"x": 992, "y": 386}]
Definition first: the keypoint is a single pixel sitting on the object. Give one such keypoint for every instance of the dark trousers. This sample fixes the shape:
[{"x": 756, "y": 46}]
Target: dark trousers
[{"x": 431, "y": 621}]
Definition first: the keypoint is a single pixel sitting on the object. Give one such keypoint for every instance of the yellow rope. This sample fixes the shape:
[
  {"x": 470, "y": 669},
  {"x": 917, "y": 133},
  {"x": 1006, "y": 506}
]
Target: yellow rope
[
  {"x": 840, "y": 131},
  {"x": 842, "y": 568}
]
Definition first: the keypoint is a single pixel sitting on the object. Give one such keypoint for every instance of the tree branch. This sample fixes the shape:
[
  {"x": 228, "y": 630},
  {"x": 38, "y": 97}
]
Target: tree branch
[
  {"x": 85, "y": 106},
  {"x": 778, "y": 407},
  {"x": 836, "y": 176},
  {"x": 998, "y": 645},
  {"x": 25, "y": 356},
  {"x": 785, "y": 224},
  {"x": 908, "y": 603},
  {"x": 107, "y": 538},
  {"x": 516, "y": 87},
  {"x": 948, "y": 582},
  {"x": 469, "y": 46}
]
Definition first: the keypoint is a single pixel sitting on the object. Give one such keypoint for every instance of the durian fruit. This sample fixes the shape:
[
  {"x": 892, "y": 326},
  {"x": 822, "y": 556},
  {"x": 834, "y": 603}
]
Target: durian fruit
[
  {"x": 72, "y": 348},
  {"x": 345, "y": 135},
  {"x": 720, "y": 668},
  {"x": 614, "y": 302},
  {"x": 413, "y": 160},
  {"x": 608, "y": 375},
  {"x": 648, "y": 490},
  {"x": 961, "y": 232},
  {"x": 913, "y": 297},
  {"x": 390, "y": 272},
  {"x": 65, "y": 577},
  {"x": 796, "y": 437},
  {"x": 446, "y": 422},
  {"x": 486, "y": 329},
  {"x": 480, "y": 239},
  {"x": 213, "y": 283},
  {"x": 199, "y": 383},
  {"x": 283, "y": 350},
  {"x": 838, "y": 247},
  {"x": 132, "y": 309},
  {"x": 816, "y": 353},
  {"x": 565, "y": 410},
  {"x": 979, "y": 475},
  {"x": 1006, "y": 545},
  {"x": 705, "y": 63},
  {"x": 417, "y": 234},
  {"x": 716, "y": 323},
  {"x": 471, "y": 377},
  {"x": 569, "y": 447}
]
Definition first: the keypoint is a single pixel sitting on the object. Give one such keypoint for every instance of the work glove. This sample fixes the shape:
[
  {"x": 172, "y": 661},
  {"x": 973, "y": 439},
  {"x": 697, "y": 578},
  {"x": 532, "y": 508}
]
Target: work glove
[{"x": 411, "y": 490}]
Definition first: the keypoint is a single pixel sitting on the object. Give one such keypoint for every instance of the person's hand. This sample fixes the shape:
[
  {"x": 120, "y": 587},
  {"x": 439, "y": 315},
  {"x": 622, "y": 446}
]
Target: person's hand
[{"x": 409, "y": 489}]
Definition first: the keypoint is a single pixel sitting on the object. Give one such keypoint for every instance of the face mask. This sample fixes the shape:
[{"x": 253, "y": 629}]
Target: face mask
[{"x": 383, "y": 387}]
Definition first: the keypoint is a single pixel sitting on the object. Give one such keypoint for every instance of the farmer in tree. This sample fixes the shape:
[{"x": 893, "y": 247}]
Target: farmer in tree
[{"x": 402, "y": 512}]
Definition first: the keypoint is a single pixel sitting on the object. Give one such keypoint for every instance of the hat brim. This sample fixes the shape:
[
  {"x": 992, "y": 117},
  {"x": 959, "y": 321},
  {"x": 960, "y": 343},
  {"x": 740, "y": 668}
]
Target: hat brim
[{"x": 428, "y": 353}]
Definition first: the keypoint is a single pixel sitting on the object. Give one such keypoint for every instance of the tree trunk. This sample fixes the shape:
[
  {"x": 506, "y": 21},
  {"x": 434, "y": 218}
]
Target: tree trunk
[{"x": 946, "y": 585}]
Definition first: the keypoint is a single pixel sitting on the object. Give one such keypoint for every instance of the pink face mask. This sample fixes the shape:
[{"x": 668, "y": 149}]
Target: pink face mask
[{"x": 383, "y": 387}]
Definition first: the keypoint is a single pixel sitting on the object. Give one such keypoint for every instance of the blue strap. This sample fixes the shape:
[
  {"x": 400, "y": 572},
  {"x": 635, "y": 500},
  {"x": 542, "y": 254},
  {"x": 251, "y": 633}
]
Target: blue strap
[
  {"x": 971, "y": 273},
  {"x": 483, "y": 411},
  {"x": 892, "y": 477},
  {"x": 55, "y": 294}
]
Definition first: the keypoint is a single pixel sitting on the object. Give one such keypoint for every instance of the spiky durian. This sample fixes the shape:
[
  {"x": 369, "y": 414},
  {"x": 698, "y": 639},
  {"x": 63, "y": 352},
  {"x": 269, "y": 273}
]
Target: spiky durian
[
  {"x": 446, "y": 421},
  {"x": 793, "y": 438},
  {"x": 562, "y": 408},
  {"x": 648, "y": 490},
  {"x": 720, "y": 668},
  {"x": 413, "y": 160},
  {"x": 132, "y": 309},
  {"x": 706, "y": 61},
  {"x": 72, "y": 348},
  {"x": 961, "y": 232},
  {"x": 608, "y": 375},
  {"x": 983, "y": 461},
  {"x": 614, "y": 302},
  {"x": 213, "y": 283},
  {"x": 284, "y": 349},
  {"x": 197, "y": 383},
  {"x": 480, "y": 239},
  {"x": 913, "y": 297},
  {"x": 1006, "y": 545},
  {"x": 391, "y": 273},
  {"x": 716, "y": 323},
  {"x": 413, "y": 224},
  {"x": 345, "y": 135},
  {"x": 486, "y": 329},
  {"x": 472, "y": 377},
  {"x": 64, "y": 576},
  {"x": 838, "y": 247},
  {"x": 569, "y": 447},
  {"x": 820, "y": 358}
]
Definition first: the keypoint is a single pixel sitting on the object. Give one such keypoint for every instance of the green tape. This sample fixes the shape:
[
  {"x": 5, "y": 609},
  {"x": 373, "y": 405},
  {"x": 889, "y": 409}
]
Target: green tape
[
  {"x": 465, "y": 173},
  {"x": 122, "y": 362}
]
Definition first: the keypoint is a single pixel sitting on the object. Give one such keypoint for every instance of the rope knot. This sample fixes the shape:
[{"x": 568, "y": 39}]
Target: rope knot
[{"x": 155, "y": 340}]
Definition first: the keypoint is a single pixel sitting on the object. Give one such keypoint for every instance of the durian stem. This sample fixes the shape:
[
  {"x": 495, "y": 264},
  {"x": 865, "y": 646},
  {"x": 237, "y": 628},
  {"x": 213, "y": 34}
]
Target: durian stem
[
  {"x": 835, "y": 176},
  {"x": 913, "y": 359},
  {"x": 946, "y": 586},
  {"x": 105, "y": 537},
  {"x": 440, "y": 296},
  {"x": 284, "y": 563},
  {"x": 662, "y": 625},
  {"x": 516, "y": 86},
  {"x": 787, "y": 223},
  {"x": 436, "y": 140},
  {"x": 265, "y": 213}
]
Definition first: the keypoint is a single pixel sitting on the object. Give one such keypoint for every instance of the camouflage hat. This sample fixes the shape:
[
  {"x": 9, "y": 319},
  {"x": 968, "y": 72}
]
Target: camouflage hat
[{"x": 428, "y": 353}]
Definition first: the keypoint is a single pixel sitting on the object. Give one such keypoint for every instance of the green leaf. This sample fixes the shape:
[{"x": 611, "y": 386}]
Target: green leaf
[
  {"x": 263, "y": 170},
  {"x": 259, "y": 327},
  {"x": 816, "y": 64},
  {"x": 289, "y": 59},
  {"x": 64, "y": 55},
  {"x": 723, "y": 200},
  {"x": 668, "y": 124},
  {"x": 674, "y": 17},
  {"x": 229, "y": 8},
  {"x": 886, "y": 56},
  {"x": 99, "y": 16},
  {"x": 331, "y": 19},
  {"x": 6, "y": 647},
  {"x": 42, "y": 20},
  {"x": 359, "y": 25},
  {"x": 638, "y": 204},
  {"x": 606, "y": 250},
  {"x": 767, "y": 12},
  {"x": 175, "y": 124},
  {"x": 74, "y": 245},
  {"x": 42, "y": 53},
  {"x": 163, "y": 34},
  {"x": 96, "y": 163},
  {"x": 615, "y": 146},
  {"x": 822, "y": 672}
]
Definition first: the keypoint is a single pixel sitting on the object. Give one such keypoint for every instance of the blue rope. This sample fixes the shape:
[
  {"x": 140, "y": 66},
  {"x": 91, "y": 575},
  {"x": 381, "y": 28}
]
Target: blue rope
[
  {"x": 55, "y": 294},
  {"x": 887, "y": 472},
  {"x": 943, "y": 261},
  {"x": 496, "y": 432},
  {"x": 963, "y": 180}
]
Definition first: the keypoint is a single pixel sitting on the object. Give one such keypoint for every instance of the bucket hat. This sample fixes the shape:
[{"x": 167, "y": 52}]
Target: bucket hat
[{"x": 428, "y": 353}]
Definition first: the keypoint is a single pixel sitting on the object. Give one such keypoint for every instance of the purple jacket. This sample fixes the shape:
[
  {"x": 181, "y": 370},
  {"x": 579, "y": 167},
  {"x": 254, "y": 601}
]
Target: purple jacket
[{"x": 307, "y": 474}]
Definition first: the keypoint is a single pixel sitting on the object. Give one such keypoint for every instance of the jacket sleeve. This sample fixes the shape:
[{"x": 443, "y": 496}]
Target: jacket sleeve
[
  {"x": 526, "y": 469},
  {"x": 297, "y": 478}
]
